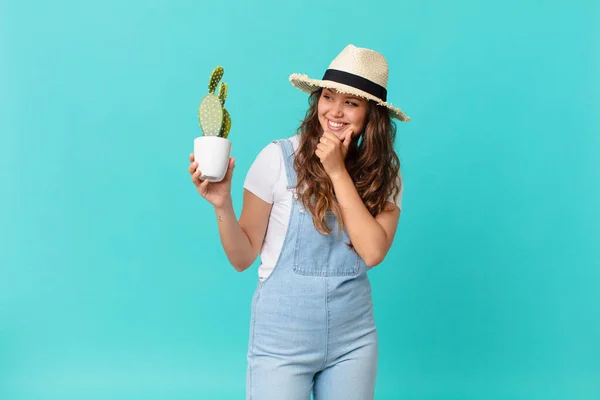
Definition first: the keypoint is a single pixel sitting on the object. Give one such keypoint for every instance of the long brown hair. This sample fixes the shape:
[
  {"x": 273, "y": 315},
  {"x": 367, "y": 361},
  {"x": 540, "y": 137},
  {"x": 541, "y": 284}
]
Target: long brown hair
[{"x": 371, "y": 162}]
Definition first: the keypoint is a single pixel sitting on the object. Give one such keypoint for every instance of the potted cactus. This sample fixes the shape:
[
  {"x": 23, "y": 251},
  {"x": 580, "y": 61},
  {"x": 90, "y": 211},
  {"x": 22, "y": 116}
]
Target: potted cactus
[{"x": 212, "y": 150}]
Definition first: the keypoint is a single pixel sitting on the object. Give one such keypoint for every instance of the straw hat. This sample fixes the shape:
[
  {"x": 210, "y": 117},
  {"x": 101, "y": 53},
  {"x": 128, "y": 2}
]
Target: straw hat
[{"x": 357, "y": 71}]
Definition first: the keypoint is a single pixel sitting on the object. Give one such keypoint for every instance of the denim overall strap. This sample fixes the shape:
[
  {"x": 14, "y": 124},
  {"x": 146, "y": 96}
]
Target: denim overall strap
[{"x": 288, "y": 159}]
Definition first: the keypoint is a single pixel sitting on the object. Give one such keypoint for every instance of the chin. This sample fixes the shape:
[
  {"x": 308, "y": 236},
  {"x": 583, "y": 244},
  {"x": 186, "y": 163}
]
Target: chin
[{"x": 337, "y": 134}]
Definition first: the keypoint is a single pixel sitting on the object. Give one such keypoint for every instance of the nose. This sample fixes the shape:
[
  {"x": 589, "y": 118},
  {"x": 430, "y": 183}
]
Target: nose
[{"x": 337, "y": 109}]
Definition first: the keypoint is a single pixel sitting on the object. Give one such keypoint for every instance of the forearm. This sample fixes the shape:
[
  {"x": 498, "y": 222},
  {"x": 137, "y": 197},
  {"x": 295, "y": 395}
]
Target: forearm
[
  {"x": 366, "y": 234},
  {"x": 233, "y": 238}
]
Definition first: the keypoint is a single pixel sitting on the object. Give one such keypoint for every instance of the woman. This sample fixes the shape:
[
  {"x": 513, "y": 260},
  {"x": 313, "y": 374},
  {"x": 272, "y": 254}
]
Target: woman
[{"x": 321, "y": 208}]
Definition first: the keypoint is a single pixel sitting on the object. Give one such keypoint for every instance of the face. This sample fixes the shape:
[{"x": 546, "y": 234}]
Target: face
[{"x": 339, "y": 112}]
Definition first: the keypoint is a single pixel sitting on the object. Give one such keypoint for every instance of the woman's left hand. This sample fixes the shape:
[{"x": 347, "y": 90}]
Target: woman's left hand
[{"x": 332, "y": 152}]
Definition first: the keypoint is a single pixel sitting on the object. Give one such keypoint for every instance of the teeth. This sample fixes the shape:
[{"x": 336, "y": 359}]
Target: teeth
[{"x": 335, "y": 124}]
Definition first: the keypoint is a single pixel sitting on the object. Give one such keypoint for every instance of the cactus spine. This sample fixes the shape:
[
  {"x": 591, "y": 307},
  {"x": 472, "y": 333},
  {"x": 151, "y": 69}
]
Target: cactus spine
[{"x": 214, "y": 118}]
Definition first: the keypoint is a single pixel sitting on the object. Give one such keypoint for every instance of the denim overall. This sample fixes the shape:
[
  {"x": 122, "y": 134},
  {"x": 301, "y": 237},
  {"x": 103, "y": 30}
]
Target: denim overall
[{"x": 312, "y": 327}]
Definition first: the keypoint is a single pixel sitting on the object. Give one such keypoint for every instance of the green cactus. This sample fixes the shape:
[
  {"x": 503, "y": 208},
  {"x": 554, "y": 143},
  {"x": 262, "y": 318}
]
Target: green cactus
[
  {"x": 222, "y": 92},
  {"x": 215, "y": 77},
  {"x": 226, "y": 124},
  {"x": 210, "y": 114},
  {"x": 214, "y": 118}
]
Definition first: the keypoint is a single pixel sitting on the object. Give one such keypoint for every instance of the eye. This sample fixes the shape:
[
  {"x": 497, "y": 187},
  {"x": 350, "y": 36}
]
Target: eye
[{"x": 353, "y": 104}]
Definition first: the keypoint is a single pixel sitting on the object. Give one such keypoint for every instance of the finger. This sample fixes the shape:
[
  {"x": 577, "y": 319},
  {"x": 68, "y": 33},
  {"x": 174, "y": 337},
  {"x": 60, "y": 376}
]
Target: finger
[
  {"x": 192, "y": 168},
  {"x": 203, "y": 188},
  {"x": 322, "y": 147},
  {"x": 191, "y": 157},
  {"x": 230, "y": 168},
  {"x": 196, "y": 178},
  {"x": 330, "y": 136},
  {"x": 328, "y": 141},
  {"x": 348, "y": 138}
]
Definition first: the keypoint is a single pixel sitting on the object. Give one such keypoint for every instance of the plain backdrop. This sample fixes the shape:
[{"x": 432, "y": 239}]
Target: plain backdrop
[{"x": 113, "y": 284}]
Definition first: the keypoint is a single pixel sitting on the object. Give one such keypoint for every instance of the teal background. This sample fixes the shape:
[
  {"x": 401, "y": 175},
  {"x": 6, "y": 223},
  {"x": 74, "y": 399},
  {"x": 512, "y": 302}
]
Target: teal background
[{"x": 113, "y": 284}]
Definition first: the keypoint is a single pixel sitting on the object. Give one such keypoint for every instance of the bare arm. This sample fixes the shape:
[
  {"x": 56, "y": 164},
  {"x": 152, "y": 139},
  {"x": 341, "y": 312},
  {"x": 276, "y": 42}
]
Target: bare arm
[
  {"x": 371, "y": 237},
  {"x": 242, "y": 240}
]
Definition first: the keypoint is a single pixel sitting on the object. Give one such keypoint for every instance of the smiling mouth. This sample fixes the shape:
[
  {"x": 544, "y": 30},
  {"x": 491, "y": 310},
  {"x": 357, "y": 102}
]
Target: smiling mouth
[{"x": 335, "y": 126}]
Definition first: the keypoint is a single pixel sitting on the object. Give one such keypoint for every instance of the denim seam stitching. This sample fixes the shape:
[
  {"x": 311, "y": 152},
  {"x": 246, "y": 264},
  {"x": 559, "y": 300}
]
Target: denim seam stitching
[
  {"x": 252, "y": 344},
  {"x": 327, "y": 323}
]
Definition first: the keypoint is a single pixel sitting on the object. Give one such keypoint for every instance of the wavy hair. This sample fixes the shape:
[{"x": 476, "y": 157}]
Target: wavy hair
[{"x": 371, "y": 162}]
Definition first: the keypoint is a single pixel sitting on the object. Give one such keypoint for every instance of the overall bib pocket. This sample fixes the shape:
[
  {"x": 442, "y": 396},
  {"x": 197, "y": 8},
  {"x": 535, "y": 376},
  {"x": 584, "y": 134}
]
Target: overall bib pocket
[{"x": 317, "y": 254}]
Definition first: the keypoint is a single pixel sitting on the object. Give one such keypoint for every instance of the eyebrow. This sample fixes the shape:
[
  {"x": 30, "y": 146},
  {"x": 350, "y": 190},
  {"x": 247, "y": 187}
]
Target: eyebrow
[
  {"x": 348, "y": 96},
  {"x": 355, "y": 98}
]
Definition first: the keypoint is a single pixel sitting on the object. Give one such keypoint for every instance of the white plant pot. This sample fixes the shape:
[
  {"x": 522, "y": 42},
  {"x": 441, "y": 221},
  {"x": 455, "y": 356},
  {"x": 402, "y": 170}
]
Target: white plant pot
[{"x": 212, "y": 154}]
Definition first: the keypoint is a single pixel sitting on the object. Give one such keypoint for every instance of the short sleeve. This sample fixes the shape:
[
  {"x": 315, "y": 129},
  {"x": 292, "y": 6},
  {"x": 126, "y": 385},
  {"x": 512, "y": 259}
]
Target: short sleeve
[
  {"x": 264, "y": 173},
  {"x": 399, "y": 199}
]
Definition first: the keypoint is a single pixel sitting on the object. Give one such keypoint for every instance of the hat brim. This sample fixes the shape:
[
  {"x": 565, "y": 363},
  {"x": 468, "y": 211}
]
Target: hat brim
[{"x": 308, "y": 85}]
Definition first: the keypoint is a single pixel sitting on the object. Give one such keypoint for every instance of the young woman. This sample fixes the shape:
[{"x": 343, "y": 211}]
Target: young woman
[{"x": 321, "y": 208}]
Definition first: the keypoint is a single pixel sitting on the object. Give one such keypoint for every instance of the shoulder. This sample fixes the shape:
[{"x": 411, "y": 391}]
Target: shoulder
[
  {"x": 397, "y": 200},
  {"x": 400, "y": 181},
  {"x": 295, "y": 140},
  {"x": 260, "y": 179},
  {"x": 273, "y": 148},
  {"x": 271, "y": 151}
]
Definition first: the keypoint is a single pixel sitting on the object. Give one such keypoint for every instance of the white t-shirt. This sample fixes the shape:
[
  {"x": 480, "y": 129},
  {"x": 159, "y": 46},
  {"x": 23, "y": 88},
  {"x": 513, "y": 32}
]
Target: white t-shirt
[{"x": 267, "y": 179}]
